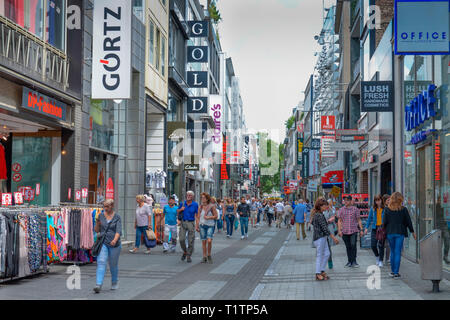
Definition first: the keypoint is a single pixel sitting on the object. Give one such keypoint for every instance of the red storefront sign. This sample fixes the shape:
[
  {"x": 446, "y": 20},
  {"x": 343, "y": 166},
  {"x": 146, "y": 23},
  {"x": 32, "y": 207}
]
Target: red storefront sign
[
  {"x": 333, "y": 177},
  {"x": 328, "y": 123},
  {"x": 356, "y": 195},
  {"x": 109, "y": 189},
  {"x": 225, "y": 161}
]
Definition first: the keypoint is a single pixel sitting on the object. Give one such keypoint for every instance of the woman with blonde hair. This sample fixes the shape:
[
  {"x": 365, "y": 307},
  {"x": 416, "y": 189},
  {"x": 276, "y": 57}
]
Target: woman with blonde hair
[
  {"x": 142, "y": 222},
  {"x": 320, "y": 235},
  {"x": 205, "y": 224},
  {"x": 396, "y": 222}
]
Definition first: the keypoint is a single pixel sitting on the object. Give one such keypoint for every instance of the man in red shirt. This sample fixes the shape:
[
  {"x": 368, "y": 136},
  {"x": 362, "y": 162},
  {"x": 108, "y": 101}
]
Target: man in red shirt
[{"x": 348, "y": 222}]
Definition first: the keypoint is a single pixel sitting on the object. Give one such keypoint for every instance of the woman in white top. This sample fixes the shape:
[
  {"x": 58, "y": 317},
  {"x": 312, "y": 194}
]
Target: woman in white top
[{"x": 205, "y": 224}]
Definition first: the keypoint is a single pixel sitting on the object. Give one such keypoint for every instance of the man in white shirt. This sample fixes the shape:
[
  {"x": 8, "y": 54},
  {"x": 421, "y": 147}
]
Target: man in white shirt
[{"x": 279, "y": 208}]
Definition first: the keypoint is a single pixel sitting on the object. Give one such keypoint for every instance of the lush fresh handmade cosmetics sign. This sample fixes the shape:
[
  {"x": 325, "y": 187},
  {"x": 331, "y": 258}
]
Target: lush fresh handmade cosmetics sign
[
  {"x": 377, "y": 96},
  {"x": 421, "y": 27}
]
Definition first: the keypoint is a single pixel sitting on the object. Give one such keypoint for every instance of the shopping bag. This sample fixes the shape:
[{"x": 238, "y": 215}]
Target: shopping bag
[
  {"x": 150, "y": 234},
  {"x": 293, "y": 220},
  {"x": 149, "y": 243},
  {"x": 236, "y": 224}
]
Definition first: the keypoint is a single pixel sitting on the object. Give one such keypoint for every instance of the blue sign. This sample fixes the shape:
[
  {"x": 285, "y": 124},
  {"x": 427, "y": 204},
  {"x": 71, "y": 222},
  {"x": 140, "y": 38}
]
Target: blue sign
[
  {"x": 421, "y": 27},
  {"x": 421, "y": 136},
  {"x": 420, "y": 109}
]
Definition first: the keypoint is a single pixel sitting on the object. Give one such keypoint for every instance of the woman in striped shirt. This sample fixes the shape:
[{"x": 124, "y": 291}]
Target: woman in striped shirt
[{"x": 321, "y": 232}]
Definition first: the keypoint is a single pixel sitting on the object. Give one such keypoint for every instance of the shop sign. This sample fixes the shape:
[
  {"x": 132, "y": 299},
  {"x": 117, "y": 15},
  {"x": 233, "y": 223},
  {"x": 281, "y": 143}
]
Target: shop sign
[
  {"x": 216, "y": 112},
  {"x": 78, "y": 195},
  {"x": 299, "y": 178},
  {"x": 333, "y": 177},
  {"x": 437, "y": 161},
  {"x": 225, "y": 166},
  {"x": 38, "y": 189},
  {"x": 18, "y": 198},
  {"x": 300, "y": 127},
  {"x": 28, "y": 195},
  {"x": 111, "y": 49},
  {"x": 343, "y": 146},
  {"x": 197, "y": 54},
  {"x": 197, "y": 79},
  {"x": 74, "y": 43},
  {"x": 410, "y": 89},
  {"x": 327, "y": 142},
  {"x": 315, "y": 144},
  {"x": 372, "y": 158},
  {"x": 69, "y": 193},
  {"x": 191, "y": 167},
  {"x": 377, "y": 96},
  {"x": 314, "y": 162},
  {"x": 198, "y": 29},
  {"x": 42, "y": 104},
  {"x": 420, "y": 109},
  {"x": 6, "y": 199},
  {"x": 299, "y": 150},
  {"x": 109, "y": 189},
  {"x": 312, "y": 186},
  {"x": 421, "y": 136},
  {"x": 197, "y": 105},
  {"x": 328, "y": 123},
  {"x": 357, "y": 196},
  {"x": 421, "y": 27},
  {"x": 335, "y": 191},
  {"x": 305, "y": 163}
]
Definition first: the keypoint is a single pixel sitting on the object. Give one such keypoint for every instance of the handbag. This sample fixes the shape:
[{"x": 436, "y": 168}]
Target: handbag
[
  {"x": 380, "y": 234},
  {"x": 150, "y": 234},
  {"x": 293, "y": 220},
  {"x": 97, "y": 247}
]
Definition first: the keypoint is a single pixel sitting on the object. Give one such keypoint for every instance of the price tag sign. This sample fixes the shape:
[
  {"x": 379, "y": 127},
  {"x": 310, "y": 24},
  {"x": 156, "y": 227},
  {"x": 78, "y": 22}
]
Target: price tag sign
[
  {"x": 84, "y": 193},
  {"x": 18, "y": 198},
  {"x": 6, "y": 199},
  {"x": 29, "y": 195},
  {"x": 38, "y": 188},
  {"x": 78, "y": 195}
]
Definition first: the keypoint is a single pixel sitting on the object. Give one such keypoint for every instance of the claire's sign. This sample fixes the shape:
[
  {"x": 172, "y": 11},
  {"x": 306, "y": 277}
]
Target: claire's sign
[{"x": 37, "y": 102}]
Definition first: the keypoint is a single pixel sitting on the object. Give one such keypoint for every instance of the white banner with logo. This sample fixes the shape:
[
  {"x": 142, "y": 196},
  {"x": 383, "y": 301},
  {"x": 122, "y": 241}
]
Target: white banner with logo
[{"x": 111, "y": 50}]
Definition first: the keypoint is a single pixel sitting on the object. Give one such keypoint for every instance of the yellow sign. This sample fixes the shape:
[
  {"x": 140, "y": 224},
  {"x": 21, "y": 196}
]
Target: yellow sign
[{"x": 335, "y": 191}]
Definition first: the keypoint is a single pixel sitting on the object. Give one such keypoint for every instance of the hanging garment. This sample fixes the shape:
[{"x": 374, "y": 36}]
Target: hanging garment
[
  {"x": 34, "y": 243},
  {"x": 24, "y": 267},
  {"x": 2, "y": 245},
  {"x": 56, "y": 249},
  {"x": 12, "y": 245},
  {"x": 87, "y": 232},
  {"x": 3, "y": 171},
  {"x": 74, "y": 229}
]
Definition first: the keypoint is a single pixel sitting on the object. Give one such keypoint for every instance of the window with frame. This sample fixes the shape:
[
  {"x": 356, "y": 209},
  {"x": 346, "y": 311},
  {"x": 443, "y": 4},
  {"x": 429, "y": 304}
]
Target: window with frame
[
  {"x": 151, "y": 56},
  {"x": 163, "y": 55}
]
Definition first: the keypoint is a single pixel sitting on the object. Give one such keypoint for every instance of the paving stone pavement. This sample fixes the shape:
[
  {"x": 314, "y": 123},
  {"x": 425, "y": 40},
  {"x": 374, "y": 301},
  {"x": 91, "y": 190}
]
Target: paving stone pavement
[{"x": 271, "y": 265}]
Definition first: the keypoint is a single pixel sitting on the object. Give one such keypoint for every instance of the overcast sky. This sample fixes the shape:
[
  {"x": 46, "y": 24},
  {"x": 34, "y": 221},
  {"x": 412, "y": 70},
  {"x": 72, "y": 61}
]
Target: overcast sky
[{"x": 271, "y": 43}]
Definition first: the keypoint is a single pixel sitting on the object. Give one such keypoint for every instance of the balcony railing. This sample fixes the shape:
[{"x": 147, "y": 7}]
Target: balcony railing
[{"x": 30, "y": 56}]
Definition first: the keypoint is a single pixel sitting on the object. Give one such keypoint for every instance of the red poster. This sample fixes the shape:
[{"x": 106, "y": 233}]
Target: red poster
[
  {"x": 333, "y": 177},
  {"x": 18, "y": 198},
  {"x": 38, "y": 188},
  {"x": 6, "y": 199},
  {"x": 84, "y": 193},
  {"x": 109, "y": 189}
]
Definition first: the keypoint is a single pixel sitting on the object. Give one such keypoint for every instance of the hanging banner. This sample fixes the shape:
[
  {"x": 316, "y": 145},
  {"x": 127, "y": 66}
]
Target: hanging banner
[
  {"x": 377, "y": 96},
  {"x": 197, "y": 79},
  {"x": 197, "y": 54},
  {"x": 111, "y": 50},
  {"x": 198, "y": 29},
  {"x": 109, "y": 189},
  {"x": 216, "y": 112},
  {"x": 197, "y": 105},
  {"x": 299, "y": 150}
]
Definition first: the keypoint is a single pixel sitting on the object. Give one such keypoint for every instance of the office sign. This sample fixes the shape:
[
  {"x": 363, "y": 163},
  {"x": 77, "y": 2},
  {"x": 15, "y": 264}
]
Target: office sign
[
  {"x": 377, "y": 96},
  {"x": 420, "y": 109},
  {"x": 111, "y": 50},
  {"x": 197, "y": 79},
  {"x": 197, "y": 105},
  {"x": 198, "y": 29},
  {"x": 42, "y": 104},
  {"x": 197, "y": 54},
  {"x": 421, "y": 27}
]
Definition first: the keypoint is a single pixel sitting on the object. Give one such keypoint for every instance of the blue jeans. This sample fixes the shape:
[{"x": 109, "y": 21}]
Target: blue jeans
[
  {"x": 219, "y": 224},
  {"x": 206, "y": 232},
  {"x": 110, "y": 255},
  {"x": 230, "y": 223},
  {"x": 244, "y": 225},
  {"x": 396, "y": 244},
  {"x": 139, "y": 232}
]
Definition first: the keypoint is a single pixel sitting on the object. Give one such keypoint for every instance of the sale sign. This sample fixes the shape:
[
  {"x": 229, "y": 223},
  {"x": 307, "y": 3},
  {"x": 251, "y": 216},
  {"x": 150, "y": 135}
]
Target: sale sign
[
  {"x": 84, "y": 193},
  {"x": 29, "y": 195},
  {"x": 328, "y": 123},
  {"x": 22, "y": 190},
  {"x": 6, "y": 199},
  {"x": 18, "y": 198},
  {"x": 38, "y": 188},
  {"x": 78, "y": 195}
]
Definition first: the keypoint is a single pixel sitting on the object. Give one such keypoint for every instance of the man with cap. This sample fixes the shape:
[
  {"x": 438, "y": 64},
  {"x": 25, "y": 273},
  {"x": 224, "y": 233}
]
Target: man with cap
[{"x": 348, "y": 222}]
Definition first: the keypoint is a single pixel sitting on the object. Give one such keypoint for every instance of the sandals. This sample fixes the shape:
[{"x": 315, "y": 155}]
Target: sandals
[
  {"x": 324, "y": 275},
  {"x": 319, "y": 277}
]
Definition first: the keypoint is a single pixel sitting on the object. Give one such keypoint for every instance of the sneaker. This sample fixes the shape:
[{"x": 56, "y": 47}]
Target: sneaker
[
  {"x": 397, "y": 275},
  {"x": 165, "y": 250},
  {"x": 242, "y": 238},
  {"x": 204, "y": 260},
  {"x": 228, "y": 235},
  {"x": 97, "y": 289},
  {"x": 392, "y": 275},
  {"x": 246, "y": 235},
  {"x": 380, "y": 264},
  {"x": 115, "y": 286},
  {"x": 355, "y": 265},
  {"x": 348, "y": 265},
  {"x": 209, "y": 260},
  {"x": 133, "y": 250},
  {"x": 189, "y": 260},
  {"x": 183, "y": 257}
]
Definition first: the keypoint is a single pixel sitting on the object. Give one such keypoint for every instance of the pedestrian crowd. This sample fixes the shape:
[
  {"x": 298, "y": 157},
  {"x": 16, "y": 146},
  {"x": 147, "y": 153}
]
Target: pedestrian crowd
[{"x": 388, "y": 223}]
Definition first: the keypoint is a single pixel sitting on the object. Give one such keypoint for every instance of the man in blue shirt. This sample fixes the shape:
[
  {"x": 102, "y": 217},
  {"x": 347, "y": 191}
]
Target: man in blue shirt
[
  {"x": 300, "y": 216},
  {"x": 188, "y": 209},
  {"x": 170, "y": 228}
]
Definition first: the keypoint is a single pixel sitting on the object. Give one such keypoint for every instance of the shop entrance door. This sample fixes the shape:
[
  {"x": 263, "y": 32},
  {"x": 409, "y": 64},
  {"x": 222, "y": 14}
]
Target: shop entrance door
[{"x": 425, "y": 190}]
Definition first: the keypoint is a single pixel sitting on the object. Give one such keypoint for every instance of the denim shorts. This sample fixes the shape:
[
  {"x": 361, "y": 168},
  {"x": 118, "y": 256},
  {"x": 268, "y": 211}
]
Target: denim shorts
[{"x": 206, "y": 232}]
